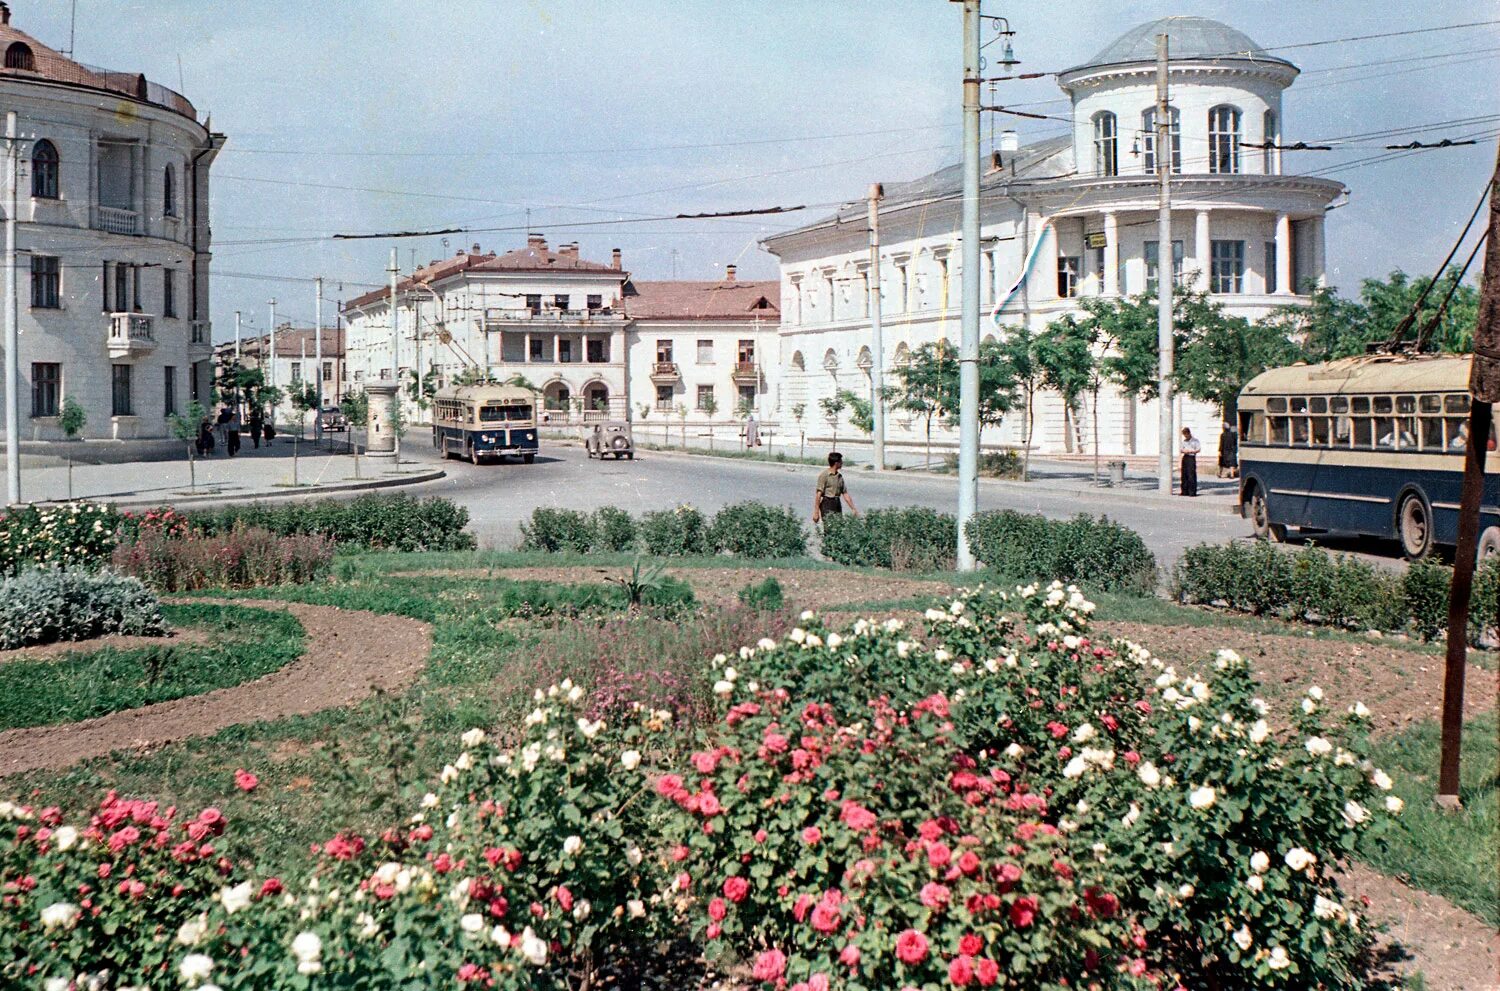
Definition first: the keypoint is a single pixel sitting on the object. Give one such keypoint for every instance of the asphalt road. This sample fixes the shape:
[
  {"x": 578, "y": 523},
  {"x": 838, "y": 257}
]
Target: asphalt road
[{"x": 501, "y": 496}]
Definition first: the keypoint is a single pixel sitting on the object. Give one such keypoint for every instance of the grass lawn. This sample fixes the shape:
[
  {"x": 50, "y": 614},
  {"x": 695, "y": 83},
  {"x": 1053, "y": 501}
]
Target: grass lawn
[
  {"x": 1450, "y": 853},
  {"x": 86, "y": 683}
]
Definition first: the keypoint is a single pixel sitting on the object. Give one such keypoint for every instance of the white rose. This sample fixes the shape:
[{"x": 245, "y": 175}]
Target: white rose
[
  {"x": 1242, "y": 938},
  {"x": 57, "y": 984},
  {"x": 1014, "y": 750},
  {"x": 532, "y": 948},
  {"x": 636, "y": 908},
  {"x": 1259, "y": 862},
  {"x": 192, "y": 931},
  {"x": 1327, "y": 908},
  {"x": 429, "y": 801},
  {"x": 59, "y": 914},
  {"x": 1255, "y": 883},
  {"x": 1299, "y": 859},
  {"x": 1148, "y": 774},
  {"x": 450, "y": 773},
  {"x": 582, "y": 909},
  {"x": 1084, "y": 733},
  {"x": 465, "y": 761},
  {"x": 1354, "y": 814},
  {"x": 834, "y": 640},
  {"x": 472, "y": 924},
  {"x": 572, "y": 845},
  {"x": 1075, "y": 768},
  {"x": 195, "y": 968},
  {"x": 499, "y": 936},
  {"x": 1318, "y": 747},
  {"x": 1394, "y": 805},
  {"x": 473, "y": 737},
  {"x": 1278, "y": 959},
  {"x": 1309, "y": 707},
  {"x": 307, "y": 946},
  {"x": 723, "y": 687},
  {"x": 1202, "y": 798},
  {"x": 66, "y": 837},
  {"x": 1315, "y": 693},
  {"x": 766, "y": 643},
  {"x": 1359, "y": 711},
  {"x": 235, "y": 898},
  {"x": 633, "y": 856},
  {"x": 575, "y": 693},
  {"x": 630, "y": 759},
  {"x": 1260, "y": 731},
  {"x": 1381, "y": 780},
  {"x": 1186, "y": 891}
]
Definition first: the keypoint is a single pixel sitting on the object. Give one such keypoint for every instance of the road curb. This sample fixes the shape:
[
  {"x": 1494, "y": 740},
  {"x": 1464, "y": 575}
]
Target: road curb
[{"x": 414, "y": 478}]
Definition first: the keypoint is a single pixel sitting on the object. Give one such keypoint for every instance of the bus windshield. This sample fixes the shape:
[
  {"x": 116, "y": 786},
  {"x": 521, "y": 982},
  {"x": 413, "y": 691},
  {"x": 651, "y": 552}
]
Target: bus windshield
[{"x": 496, "y": 414}]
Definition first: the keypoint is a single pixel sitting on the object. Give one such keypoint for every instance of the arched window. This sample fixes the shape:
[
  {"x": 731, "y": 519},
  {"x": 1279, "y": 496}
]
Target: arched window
[
  {"x": 44, "y": 170},
  {"x": 18, "y": 56},
  {"x": 1148, "y": 139},
  {"x": 1106, "y": 144},
  {"x": 1224, "y": 140},
  {"x": 830, "y": 360},
  {"x": 1270, "y": 137},
  {"x": 865, "y": 361},
  {"x": 169, "y": 192},
  {"x": 903, "y": 355}
]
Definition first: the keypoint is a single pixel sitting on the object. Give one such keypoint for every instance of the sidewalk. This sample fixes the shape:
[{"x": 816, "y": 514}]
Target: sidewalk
[{"x": 252, "y": 474}]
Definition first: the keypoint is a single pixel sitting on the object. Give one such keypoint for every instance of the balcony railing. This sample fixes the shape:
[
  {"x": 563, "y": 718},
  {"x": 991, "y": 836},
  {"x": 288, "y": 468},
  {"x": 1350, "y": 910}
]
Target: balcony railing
[
  {"x": 202, "y": 331},
  {"x": 665, "y": 370},
  {"x": 129, "y": 333},
  {"x": 549, "y": 314},
  {"x": 115, "y": 220},
  {"x": 746, "y": 371}
]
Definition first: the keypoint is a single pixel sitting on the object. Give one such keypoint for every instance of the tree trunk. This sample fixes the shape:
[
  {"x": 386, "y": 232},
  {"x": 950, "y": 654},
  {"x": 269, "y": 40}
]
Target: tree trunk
[
  {"x": 1030, "y": 425},
  {"x": 70, "y": 476},
  {"x": 929, "y": 441},
  {"x": 192, "y": 470},
  {"x": 1094, "y": 410}
]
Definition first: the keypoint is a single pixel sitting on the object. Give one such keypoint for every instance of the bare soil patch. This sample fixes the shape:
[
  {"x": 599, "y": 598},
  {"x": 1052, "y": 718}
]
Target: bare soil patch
[
  {"x": 807, "y": 589},
  {"x": 349, "y": 654},
  {"x": 1401, "y": 687},
  {"x": 175, "y": 638},
  {"x": 1451, "y": 948}
]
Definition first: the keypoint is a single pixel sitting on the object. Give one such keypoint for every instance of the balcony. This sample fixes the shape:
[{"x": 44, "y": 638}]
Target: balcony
[
  {"x": 746, "y": 373},
  {"x": 116, "y": 221},
  {"x": 202, "y": 332},
  {"x": 546, "y": 315},
  {"x": 130, "y": 335},
  {"x": 665, "y": 373}
]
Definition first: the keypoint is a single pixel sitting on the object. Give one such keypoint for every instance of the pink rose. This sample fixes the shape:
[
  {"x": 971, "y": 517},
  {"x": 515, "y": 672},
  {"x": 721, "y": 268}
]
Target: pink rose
[
  {"x": 811, "y": 835},
  {"x": 849, "y": 956},
  {"x": 911, "y": 947},
  {"x": 717, "y": 909},
  {"x": 736, "y": 888},
  {"x": 935, "y": 895},
  {"x": 245, "y": 780},
  {"x": 769, "y": 966},
  {"x": 960, "y": 971}
]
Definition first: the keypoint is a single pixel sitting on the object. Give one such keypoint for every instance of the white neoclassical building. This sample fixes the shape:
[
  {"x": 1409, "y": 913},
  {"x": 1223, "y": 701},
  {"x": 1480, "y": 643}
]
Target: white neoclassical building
[
  {"x": 593, "y": 341},
  {"x": 1069, "y": 217},
  {"x": 113, "y": 244}
]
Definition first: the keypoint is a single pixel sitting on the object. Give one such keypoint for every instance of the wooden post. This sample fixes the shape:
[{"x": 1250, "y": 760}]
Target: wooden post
[{"x": 1484, "y": 389}]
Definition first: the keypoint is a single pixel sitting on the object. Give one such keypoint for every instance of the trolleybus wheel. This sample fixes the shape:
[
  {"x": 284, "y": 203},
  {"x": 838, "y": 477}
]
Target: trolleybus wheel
[
  {"x": 1414, "y": 527},
  {"x": 1489, "y": 544},
  {"x": 528, "y": 458},
  {"x": 473, "y": 455},
  {"x": 1260, "y": 518}
]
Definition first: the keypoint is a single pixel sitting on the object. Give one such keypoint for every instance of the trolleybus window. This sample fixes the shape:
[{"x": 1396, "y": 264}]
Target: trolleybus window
[{"x": 494, "y": 414}]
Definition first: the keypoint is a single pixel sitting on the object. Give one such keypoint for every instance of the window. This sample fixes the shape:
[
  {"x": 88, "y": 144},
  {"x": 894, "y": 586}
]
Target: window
[
  {"x": 44, "y": 170},
  {"x": 664, "y": 352},
  {"x": 1224, "y": 140},
  {"x": 747, "y": 396},
  {"x": 1152, "y": 254},
  {"x": 168, "y": 292},
  {"x": 541, "y": 349},
  {"x": 327, "y": 371},
  {"x": 901, "y": 277},
  {"x": 745, "y": 353},
  {"x": 169, "y": 390},
  {"x": 705, "y": 397},
  {"x": 1148, "y": 138},
  {"x": 46, "y": 388},
  {"x": 119, "y": 391},
  {"x": 534, "y": 302},
  {"x": 135, "y": 287},
  {"x": 1270, "y": 137},
  {"x": 989, "y": 276},
  {"x": 1228, "y": 267},
  {"x": 705, "y": 352},
  {"x": 122, "y": 288},
  {"x": 598, "y": 349},
  {"x": 1106, "y": 144},
  {"x": 169, "y": 192},
  {"x": 664, "y": 397},
  {"x": 296, "y": 372},
  {"x": 560, "y": 301},
  {"x": 1067, "y": 276},
  {"x": 46, "y": 278},
  {"x": 18, "y": 56},
  {"x": 1271, "y": 285},
  {"x": 596, "y": 301},
  {"x": 565, "y": 349}
]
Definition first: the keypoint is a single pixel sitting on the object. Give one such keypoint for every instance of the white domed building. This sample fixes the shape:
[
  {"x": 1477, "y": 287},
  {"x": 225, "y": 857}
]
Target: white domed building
[
  {"x": 113, "y": 244},
  {"x": 1070, "y": 217}
]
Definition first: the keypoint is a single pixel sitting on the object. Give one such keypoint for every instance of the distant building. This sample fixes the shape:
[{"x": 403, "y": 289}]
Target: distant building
[
  {"x": 297, "y": 360},
  {"x": 113, "y": 240},
  {"x": 593, "y": 342},
  {"x": 1072, "y": 217}
]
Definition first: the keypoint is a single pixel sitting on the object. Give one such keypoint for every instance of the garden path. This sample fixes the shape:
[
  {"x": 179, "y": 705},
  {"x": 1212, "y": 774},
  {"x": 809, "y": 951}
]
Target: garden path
[
  {"x": 349, "y": 655},
  {"x": 114, "y": 641}
]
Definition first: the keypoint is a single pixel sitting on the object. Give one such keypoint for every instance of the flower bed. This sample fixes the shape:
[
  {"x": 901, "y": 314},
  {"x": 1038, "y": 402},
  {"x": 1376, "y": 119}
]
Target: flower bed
[
  {"x": 78, "y": 535},
  {"x": 995, "y": 796},
  {"x": 745, "y": 529},
  {"x": 50, "y": 605},
  {"x": 369, "y": 522},
  {"x": 241, "y": 558}
]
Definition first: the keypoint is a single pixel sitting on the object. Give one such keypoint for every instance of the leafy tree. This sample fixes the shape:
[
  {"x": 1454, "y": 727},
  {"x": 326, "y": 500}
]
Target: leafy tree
[
  {"x": 304, "y": 397},
  {"x": 356, "y": 409},
  {"x": 1330, "y": 326},
  {"x": 924, "y": 382},
  {"x": 71, "y": 419},
  {"x": 833, "y": 407},
  {"x": 709, "y": 405},
  {"x": 185, "y": 428},
  {"x": 1018, "y": 355},
  {"x": 1220, "y": 357},
  {"x": 861, "y": 412},
  {"x": 1064, "y": 352},
  {"x": 799, "y": 410}
]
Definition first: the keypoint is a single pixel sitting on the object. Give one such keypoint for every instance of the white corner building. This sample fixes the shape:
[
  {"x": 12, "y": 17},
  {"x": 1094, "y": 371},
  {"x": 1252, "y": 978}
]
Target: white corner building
[
  {"x": 1069, "y": 217},
  {"x": 112, "y": 232}
]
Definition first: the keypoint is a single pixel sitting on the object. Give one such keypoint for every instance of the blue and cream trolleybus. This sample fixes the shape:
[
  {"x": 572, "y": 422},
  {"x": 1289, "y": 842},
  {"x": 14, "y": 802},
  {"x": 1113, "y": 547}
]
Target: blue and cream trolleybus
[
  {"x": 480, "y": 422},
  {"x": 1371, "y": 445}
]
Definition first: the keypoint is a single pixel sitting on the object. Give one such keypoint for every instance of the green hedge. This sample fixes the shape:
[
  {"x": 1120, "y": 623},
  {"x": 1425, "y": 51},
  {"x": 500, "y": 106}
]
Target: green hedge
[
  {"x": 1095, "y": 552},
  {"x": 746, "y": 529},
  {"x": 755, "y": 530},
  {"x": 1311, "y": 585},
  {"x": 910, "y": 539},
  {"x": 384, "y": 522},
  {"x": 48, "y": 605}
]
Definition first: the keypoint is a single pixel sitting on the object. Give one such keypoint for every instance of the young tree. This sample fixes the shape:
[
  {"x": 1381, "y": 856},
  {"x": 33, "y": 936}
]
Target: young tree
[
  {"x": 833, "y": 406},
  {"x": 1064, "y": 352},
  {"x": 682, "y": 415},
  {"x": 356, "y": 409},
  {"x": 1018, "y": 354},
  {"x": 185, "y": 428},
  {"x": 709, "y": 405},
  {"x": 303, "y": 397},
  {"x": 398, "y": 430},
  {"x": 925, "y": 381},
  {"x": 72, "y": 419},
  {"x": 799, "y": 410}
]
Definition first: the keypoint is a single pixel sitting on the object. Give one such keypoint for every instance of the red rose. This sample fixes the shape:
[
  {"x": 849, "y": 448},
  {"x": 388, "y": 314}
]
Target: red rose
[
  {"x": 565, "y": 898},
  {"x": 970, "y": 945},
  {"x": 988, "y": 972},
  {"x": 245, "y": 780},
  {"x": 938, "y": 855},
  {"x": 717, "y": 909},
  {"x": 736, "y": 888},
  {"x": 769, "y": 966},
  {"x": 960, "y": 971},
  {"x": 1023, "y": 912},
  {"x": 968, "y": 862},
  {"x": 272, "y": 886},
  {"x": 811, "y": 835},
  {"x": 911, "y": 947}
]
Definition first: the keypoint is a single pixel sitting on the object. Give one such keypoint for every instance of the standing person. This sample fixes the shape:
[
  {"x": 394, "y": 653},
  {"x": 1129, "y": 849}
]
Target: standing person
[
  {"x": 221, "y": 427},
  {"x": 1190, "y": 449},
  {"x": 830, "y": 492},
  {"x": 752, "y": 432},
  {"x": 257, "y": 421},
  {"x": 206, "y": 436},
  {"x": 232, "y": 432},
  {"x": 1229, "y": 452}
]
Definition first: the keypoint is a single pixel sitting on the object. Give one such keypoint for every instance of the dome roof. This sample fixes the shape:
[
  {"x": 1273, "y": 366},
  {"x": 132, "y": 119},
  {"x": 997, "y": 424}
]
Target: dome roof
[{"x": 1190, "y": 38}]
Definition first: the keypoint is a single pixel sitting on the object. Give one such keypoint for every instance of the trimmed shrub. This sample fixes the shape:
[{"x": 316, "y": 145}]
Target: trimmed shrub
[
  {"x": 48, "y": 605},
  {"x": 376, "y": 522},
  {"x": 755, "y": 530},
  {"x": 1093, "y": 551},
  {"x": 615, "y": 529},
  {"x": 763, "y": 596},
  {"x": 78, "y": 535},
  {"x": 1484, "y": 604},
  {"x": 1254, "y": 578},
  {"x": 241, "y": 558},
  {"x": 533, "y": 599},
  {"x": 1424, "y": 590},
  {"x": 675, "y": 532},
  {"x": 910, "y": 539},
  {"x": 559, "y": 530},
  {"x": 992, "y": 464}
]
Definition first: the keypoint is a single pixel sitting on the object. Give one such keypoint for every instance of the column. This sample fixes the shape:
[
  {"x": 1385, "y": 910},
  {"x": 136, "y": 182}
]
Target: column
[
  {"x": 1202, "y": 249},
  {"x": 1111, "y": 271},
  {"x": 381, "y": 441},
  {"x": 526, "y": 354},
  {"x": 1319, "y": 260},
  {"x": 1284, "y": 285}
]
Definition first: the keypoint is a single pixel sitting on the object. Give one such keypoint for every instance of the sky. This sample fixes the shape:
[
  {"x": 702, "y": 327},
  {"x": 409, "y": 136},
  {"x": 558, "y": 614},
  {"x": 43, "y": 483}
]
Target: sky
[{"x": 357, "y": 116}]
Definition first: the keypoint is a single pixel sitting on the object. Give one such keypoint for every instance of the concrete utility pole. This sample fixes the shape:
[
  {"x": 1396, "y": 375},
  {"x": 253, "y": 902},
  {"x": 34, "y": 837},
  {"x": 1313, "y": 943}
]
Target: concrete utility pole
[
  {"x": 877, "y": 370},
  {"x": 271, "y": 364},
  {"x": 318, "y": 356},
  {"x": 1484, "y": 389},
  {"x": 395, "y": 271},
  {"x": 236, "y": 337},
  {"x": 968, "y": 348},
  {"x": 1165, "y": 264},
  {"x": 12, "y": 325}
]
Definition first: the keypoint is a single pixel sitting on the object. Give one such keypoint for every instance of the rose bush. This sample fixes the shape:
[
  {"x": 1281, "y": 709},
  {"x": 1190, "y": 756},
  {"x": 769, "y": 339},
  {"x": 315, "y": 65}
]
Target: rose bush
[{"x": 77, "y": 535}]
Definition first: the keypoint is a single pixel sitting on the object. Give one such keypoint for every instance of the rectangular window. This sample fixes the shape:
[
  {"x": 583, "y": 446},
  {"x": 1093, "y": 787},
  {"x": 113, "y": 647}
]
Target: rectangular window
[
  {"x": 989, "y": 276},
  {"x": 560, "y": 300},
  {"x": 168, "y": 292},
  {"x": 169, "y": 390},
  {"x": 745, "y": 353},
  {"x": 46, "y": 282},
  {"x": 135, "y": 287},
  {"x": 596, "y": 301},
  {"x": 598, "y": 349},
  {"x": 664, "y": 352},
  {"x": 664, "y": 397},
  {"x": 705, "y": 397},
  {"x": 534, "y": 302},
  {"x": 296, "y": 371},
  {"x": 119, "y": 391},
  {"x": 1271, "y": 267},
  {"x": 46, "y": 388},
  {"x": 541, "y": 349},
  {"x": 1228, "y": 267},
  {"x": 1067, "y": 276},
  {"x": 901, "y": 278},
  {"x": 1151, "y": 253},
  {"x": 705, "y": 352},
  {"x": 564, "y": 349},
  {"x": 122, "y": 288},
  {"x": 327, "y": 371}
]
